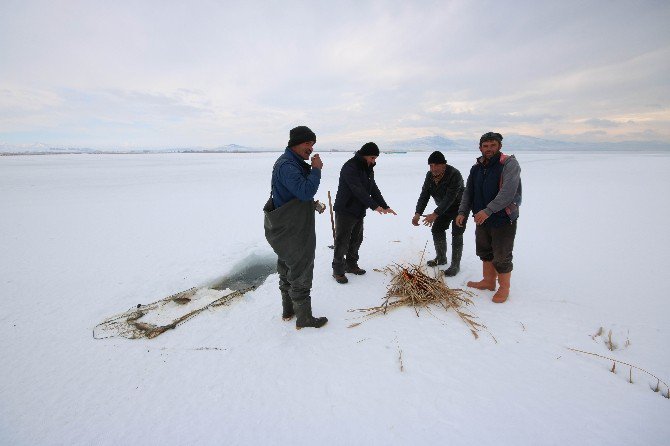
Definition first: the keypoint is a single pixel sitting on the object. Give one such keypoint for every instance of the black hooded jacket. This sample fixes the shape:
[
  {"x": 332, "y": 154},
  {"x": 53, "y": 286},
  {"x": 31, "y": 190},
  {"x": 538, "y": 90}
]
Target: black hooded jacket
[{"x": 357, "y": 189}]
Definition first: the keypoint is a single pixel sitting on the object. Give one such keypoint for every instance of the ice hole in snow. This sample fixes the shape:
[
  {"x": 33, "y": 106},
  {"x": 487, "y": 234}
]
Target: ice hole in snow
[
  {"x": 149, "y": 321},
  {"x": 250, "y": 272}
]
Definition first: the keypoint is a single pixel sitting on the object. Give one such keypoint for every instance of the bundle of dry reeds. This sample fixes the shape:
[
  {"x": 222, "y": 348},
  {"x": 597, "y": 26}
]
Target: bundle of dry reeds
[{"x": 411, "y": 286}]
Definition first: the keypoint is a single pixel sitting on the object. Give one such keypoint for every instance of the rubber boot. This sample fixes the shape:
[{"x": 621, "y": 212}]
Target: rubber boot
[
  {"x": 489, "y": 280},
  {"x": 456, "y": 254},
  {"x": 303, "y": 311},
  {"x": 287, "y": 307},
  {"x": 440, "y": 242},
  {"x": 503, "y": 290}
]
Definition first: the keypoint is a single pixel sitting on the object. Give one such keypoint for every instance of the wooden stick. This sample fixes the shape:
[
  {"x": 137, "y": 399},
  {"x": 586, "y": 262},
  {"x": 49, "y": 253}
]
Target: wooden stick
[{"x": 332, "y": 220}]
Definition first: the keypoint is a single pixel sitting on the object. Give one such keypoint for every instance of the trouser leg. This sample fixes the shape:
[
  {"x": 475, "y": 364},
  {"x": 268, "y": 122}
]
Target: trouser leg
[
  {"x": 440, "y": 243},
  {"x": 355, "y": 244},
  {"x": 344, "y": 225},
  {"x": 284, "y": 285},
  {"x": 457, "y": 241},
  {"x": 456, "y": 249},
  {"x": 484, "y": 243},
  {"x": 295, "y": 277},
  {"x": 438, "y": 231},
  {"x": 502, "y": 242}
]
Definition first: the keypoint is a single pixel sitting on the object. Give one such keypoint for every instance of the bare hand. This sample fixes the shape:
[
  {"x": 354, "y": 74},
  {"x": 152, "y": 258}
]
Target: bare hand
[
  {"x": 430, "y": 219},
  {"x": 415, "y": 219},
  {"x": 480, "y": 217},
  {"x": 459, "y": 220},
  {"x": 389, "y": 211},
  {"x": 379, "y": 209},
  {"x": 316, "y": 162}
]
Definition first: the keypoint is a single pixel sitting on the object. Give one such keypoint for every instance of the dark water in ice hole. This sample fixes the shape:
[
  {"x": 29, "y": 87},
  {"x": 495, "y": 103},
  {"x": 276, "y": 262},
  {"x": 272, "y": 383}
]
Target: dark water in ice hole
[{"x": 252, "y": 274}]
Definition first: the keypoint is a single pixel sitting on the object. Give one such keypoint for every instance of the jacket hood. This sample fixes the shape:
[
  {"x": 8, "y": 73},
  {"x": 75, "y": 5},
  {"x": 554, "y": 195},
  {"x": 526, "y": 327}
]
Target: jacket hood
[{"x": 363, "y": 163}]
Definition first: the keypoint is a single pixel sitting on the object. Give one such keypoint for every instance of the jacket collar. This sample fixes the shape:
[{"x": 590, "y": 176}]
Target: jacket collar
[
  {"x": 363, "y": 164},
  {"x": 494, "y": 160},
  {"x": 292, "y": 154}
]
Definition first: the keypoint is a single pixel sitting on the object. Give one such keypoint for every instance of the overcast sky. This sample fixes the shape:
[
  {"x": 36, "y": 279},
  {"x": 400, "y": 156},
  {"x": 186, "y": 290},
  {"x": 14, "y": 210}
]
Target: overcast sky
[{"x": 138, "y": 73}]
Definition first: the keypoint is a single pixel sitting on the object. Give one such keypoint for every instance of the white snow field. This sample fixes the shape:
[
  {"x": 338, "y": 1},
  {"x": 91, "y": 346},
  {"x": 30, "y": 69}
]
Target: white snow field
[{"x": 84, "y": 237}]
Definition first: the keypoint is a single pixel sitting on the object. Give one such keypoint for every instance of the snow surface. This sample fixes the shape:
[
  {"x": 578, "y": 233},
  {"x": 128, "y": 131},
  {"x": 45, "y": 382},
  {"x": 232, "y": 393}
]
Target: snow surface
[{"x": 85, "y": 237}]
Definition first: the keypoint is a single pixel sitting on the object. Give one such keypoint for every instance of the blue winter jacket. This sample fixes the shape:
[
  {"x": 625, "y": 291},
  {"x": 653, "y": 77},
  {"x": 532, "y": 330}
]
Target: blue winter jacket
[
  {"x": 493, "y": 186},
  {"x": 293, "y": 178}
]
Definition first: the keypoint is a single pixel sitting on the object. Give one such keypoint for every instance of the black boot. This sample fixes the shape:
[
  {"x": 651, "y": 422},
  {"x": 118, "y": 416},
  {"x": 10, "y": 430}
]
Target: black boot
[
  {"x": 303, "y": 309},
  {"x": 456, "y": 254},
  {"x": 340, "y": 278},
  {"x": 355, "y": 270},
  {"x": 440, "y": 242},
  {"x": 287, "y": 307}
]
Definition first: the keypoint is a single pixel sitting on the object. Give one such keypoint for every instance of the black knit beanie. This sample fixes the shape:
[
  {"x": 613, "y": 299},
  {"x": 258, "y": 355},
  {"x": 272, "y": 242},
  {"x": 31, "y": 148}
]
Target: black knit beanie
[
  {"x": 300, "y": 135},
  {"x": 490, "y": 136},
  {"x": 369, "y": 149},
  {"x": 436, "y": 158}
]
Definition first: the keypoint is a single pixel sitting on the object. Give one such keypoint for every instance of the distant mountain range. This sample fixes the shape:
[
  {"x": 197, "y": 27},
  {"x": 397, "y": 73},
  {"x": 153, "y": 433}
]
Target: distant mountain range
[
  {"x": 514, "y": 143},
  {"x": 521, "y": 143}
]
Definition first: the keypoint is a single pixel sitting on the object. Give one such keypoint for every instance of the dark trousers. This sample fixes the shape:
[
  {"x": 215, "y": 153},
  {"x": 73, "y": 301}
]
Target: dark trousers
[
  {"x": 442, "y": 223},
  {"x": 290, "y": 231},
  {"x": 496, "y": 245},
  {"x": 295, "y": 278},
  {"x": 348, "y": 239}
]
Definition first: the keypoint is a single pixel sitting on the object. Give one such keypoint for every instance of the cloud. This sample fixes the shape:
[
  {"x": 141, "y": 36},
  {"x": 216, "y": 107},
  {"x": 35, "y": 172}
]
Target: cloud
[
  {"x": 595, "y": 122},
  {"x": 211, "y": 73}
]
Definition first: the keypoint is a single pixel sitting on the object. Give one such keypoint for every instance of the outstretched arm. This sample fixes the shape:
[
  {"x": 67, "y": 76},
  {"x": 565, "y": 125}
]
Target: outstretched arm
[{"x": 352, "y": 180}]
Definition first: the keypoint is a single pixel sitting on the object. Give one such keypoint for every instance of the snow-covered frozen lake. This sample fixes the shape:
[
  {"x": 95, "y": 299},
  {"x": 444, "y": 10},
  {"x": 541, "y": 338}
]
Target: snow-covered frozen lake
[{"x": 84, "y": 237}]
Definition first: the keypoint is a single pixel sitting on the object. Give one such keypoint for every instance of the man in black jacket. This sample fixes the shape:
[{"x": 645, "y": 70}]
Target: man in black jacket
[
  {"x": 357, "y": 191},
  {"x": 445, "y": 184}
]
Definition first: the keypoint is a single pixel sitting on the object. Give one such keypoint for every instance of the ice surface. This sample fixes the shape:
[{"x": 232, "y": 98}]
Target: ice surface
[{"x": 85, "y": 237}]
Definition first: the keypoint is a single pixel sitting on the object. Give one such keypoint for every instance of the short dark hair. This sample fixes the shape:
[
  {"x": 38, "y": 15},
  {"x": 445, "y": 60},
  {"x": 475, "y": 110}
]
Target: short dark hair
[
  {"x": 437, "y": 157},
  {"x": 490, "y": 136}
]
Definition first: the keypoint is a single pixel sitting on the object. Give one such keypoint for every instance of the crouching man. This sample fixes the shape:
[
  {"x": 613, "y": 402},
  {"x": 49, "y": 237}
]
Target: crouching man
[
  {"x": 493, "y": 193},
  {"x": 445, "y": 184},
  {"x": 290, "y": 226}
]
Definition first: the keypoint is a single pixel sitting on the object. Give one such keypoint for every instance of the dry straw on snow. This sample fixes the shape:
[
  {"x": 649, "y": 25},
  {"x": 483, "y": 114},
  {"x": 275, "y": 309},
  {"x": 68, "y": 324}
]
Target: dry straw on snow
[
  {"x": 656, "y": 388},
  {"x": 412, "y": 287}
]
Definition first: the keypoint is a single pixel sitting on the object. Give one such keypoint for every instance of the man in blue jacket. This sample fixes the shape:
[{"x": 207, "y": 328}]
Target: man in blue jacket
[
  {"x": 357, "y": 191},
  {"x": 289, "y": 225},
  {"x": 493, "y": 194}
]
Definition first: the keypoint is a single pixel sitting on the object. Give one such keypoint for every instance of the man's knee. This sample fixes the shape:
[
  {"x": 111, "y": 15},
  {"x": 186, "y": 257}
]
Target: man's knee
[
  {"x": 300, "y": 290},
  {"x": 457, "y": 230},
  {"x": 284, "y": 286},
  {"x": 484, "y": 250},
  {"x": 502, "y": 259}
]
